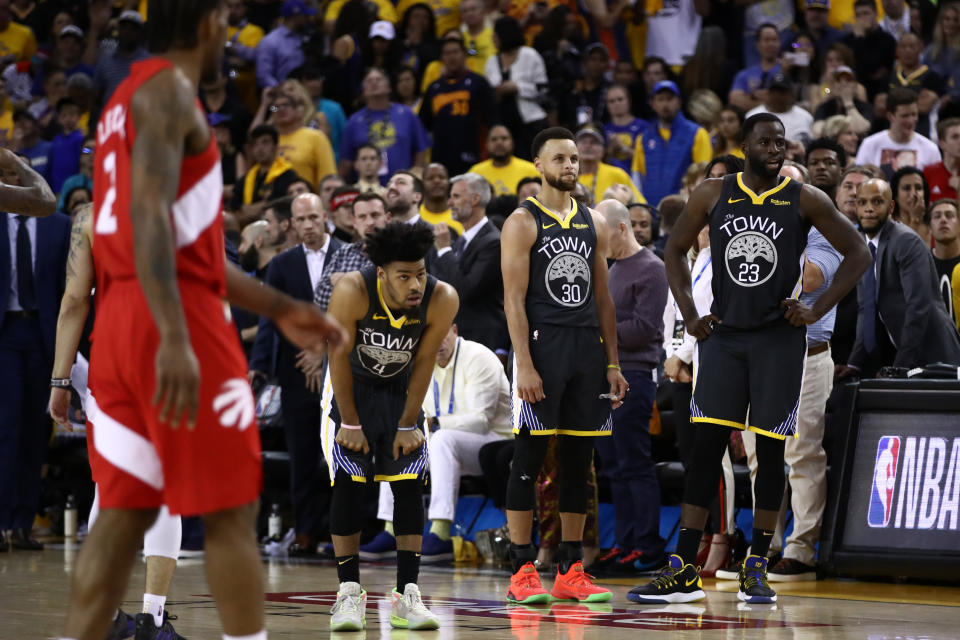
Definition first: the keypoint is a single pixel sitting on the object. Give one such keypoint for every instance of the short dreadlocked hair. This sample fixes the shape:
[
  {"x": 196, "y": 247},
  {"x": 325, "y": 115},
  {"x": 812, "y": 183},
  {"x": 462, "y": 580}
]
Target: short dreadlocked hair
[{"x": 399, "y": 242}]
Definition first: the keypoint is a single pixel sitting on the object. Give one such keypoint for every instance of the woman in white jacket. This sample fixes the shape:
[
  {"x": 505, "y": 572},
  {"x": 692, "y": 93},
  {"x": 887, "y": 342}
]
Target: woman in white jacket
[{"x": 518, "y": 77}]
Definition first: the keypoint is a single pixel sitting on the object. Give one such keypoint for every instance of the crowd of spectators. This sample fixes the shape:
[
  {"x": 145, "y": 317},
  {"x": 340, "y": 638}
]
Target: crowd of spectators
[{"x": 426, "y": 110}]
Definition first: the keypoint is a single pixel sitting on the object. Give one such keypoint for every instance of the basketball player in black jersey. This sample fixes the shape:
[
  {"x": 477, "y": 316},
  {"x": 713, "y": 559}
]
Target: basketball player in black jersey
[
  {"x": 751, "y": 367},
  {"x": 566, "y": 377},
  {"x": 396, "y": 316}
]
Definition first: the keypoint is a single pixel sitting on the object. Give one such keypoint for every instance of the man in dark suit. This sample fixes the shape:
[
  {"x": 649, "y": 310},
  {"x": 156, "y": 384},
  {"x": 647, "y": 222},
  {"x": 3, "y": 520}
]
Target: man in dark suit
[
  {"x": 33, "y": 258},
  {"x": 297, "y": 272},
  {"x": 902, "y": 321},
  {"x": 472, "y": 264}
]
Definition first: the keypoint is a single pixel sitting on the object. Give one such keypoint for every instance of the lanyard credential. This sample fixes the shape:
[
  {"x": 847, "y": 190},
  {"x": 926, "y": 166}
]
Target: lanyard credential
[
  {"x": 697, "y": 279},
  {"x": 453, "y": 381}
]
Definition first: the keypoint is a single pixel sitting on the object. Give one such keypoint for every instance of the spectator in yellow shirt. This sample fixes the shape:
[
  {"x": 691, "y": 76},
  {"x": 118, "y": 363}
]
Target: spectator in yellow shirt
[
  {"x": 477, "y": 34},
  {"x": 446, "y": 13},
  {"x": 503, "y": 170},
  {"x": 598, "y": 176},
  {"x": 435, "y": 206},
  {"x": 307, "y": 150},
  {"x": 17, "y": 42},
  {"x": 242, "y": 40}
]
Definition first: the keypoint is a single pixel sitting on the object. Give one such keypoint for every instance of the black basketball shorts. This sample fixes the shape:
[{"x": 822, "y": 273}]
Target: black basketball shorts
[
  {"x": 573, "y": 366},
  {"x": 751, "y": 371}
]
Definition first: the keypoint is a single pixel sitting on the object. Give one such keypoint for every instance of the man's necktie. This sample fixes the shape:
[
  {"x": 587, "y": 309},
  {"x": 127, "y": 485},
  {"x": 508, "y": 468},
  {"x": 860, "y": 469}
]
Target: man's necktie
[
  {"x": 26, "y": 288},
  {"x": 868, "y": 322}
]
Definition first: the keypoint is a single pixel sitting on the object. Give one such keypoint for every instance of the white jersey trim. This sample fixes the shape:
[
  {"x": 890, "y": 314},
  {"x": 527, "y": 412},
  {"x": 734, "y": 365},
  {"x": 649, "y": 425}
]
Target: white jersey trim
[
  {"x": 124, "y": 448},
  {"x": 198, "y": 208}
]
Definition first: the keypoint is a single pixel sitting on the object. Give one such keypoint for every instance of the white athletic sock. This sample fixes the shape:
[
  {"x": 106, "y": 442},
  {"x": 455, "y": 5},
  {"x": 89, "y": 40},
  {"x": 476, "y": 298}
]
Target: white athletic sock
[
  {"x": 153, "y": 603},
  {"x": 260, "y": 635}
]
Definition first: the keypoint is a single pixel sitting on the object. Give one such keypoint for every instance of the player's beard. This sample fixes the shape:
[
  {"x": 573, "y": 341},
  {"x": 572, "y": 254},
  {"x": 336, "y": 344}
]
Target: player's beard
[
  {"x": 759, "y": 167},
  {"x": 561, "y": 183}
]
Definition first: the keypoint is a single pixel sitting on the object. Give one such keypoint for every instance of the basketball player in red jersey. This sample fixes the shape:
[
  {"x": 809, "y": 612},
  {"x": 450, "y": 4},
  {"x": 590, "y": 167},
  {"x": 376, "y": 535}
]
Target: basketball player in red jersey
[{"x": 171, "y": 413}]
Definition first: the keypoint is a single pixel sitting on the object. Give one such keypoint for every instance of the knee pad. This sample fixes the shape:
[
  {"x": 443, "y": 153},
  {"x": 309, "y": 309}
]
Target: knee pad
[
  {"x": 346, "y": 497},
  {"x": 163, "y": 538},
  {"x": 407, "y": 507},
  {"x": 769, "y": 484},
  {"x": 528, "y": 454},
  {"x": 574, "y": 457}
]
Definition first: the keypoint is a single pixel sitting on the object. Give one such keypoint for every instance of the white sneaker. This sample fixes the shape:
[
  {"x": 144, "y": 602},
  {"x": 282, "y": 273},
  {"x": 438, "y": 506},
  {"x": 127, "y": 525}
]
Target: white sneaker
[
  {"x": 409, "y": 612},
  {"x": 349, "y": 611}
]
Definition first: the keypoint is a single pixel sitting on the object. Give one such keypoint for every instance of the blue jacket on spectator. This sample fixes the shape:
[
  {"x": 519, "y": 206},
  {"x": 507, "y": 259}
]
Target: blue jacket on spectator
[{"x": 667, "y": 160}]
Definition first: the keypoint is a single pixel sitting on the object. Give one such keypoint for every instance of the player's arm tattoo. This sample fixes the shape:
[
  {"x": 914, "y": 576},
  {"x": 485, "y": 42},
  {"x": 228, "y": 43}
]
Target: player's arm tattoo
[
  {"x": 76, "y": 296},
  {"x": 33, "y": 197},
  {"x": 162, "y": 114}
]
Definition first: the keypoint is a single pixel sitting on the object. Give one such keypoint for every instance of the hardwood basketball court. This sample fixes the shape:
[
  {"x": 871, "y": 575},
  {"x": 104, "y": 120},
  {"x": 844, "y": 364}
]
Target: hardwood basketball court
[{"x": 34, "y": 589}]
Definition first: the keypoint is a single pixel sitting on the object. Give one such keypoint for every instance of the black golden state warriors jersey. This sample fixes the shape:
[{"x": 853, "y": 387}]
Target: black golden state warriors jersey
[
  {"x": 560, "y": 290},
  {"x": 757, "y": 243},
  {"x": 385, "y": 344}
]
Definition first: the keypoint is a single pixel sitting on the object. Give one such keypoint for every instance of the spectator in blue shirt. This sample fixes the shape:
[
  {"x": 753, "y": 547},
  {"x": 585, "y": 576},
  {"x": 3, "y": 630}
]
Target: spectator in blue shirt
[
  {"x": 84, "y": 178},
  {"x": 312, "y": 78},
  {"x": 27, "y": 131},
  {"x": 68, "y": 56},
  {"x": 281, "y": 50},
  {"x": 622, "y": 129},
  {"x": 66, "y": 145},
  {"x": 393, "y": 128},
  {"x": 815, "y": 17},
  {"x": 748, "y": 90}
]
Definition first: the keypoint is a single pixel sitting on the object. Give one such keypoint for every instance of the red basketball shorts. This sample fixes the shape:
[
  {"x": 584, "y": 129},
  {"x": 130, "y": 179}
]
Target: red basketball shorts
[{"x": 140, "y": 462}]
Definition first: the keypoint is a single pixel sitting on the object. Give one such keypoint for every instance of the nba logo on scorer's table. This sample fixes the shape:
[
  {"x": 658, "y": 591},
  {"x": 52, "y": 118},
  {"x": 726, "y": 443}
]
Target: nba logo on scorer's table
[{"x": 884, "y": 479}]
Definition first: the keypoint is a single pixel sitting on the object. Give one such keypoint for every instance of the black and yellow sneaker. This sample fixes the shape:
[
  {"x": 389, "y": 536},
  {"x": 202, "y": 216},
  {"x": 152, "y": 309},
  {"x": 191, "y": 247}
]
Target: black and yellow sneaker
[
  {"x": 676, "y": 582},
  {"x": 754, "y": 587}
]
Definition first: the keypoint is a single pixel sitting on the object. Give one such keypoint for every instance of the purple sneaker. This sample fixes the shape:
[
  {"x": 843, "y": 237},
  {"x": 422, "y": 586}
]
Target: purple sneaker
[
  {"x": 434, "y": 549},
  {"x": 148, "y": 630},
  {"x": 382, "y": 547},
  {"x": 121, "y": 627}
]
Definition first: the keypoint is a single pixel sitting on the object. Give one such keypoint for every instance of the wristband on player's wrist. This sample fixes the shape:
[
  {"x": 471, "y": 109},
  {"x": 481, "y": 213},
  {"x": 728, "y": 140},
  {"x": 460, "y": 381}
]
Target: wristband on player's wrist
[
  {"x": 60, "y": 383},
  {"x": 413, "y": 428},
  {"x": 614, "y": 366},
  {"x": 351, "y": 427}
]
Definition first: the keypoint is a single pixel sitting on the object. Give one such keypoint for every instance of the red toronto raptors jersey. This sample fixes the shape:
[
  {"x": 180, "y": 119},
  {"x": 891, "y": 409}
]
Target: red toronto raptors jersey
[{"x": 196, "y": 214}]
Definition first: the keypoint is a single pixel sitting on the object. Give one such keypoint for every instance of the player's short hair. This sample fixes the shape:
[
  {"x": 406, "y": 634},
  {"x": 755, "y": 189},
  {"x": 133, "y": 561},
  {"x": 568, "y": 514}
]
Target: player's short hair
[
  {"x": 173, "y": 23},
  {"x": 899, "y": 97},
  {"x": 550, "y": 133},
  {"x": 399, "y": 241},
  {"x": 750, "y": 123},
  {"x": 830, "y": 145},
  {"x": 265, "y": 130}
]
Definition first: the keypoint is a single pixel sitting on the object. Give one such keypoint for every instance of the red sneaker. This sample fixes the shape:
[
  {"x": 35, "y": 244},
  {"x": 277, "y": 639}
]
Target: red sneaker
[
  {"x": 575, "y": 584},
  {"x": 525, "y": 587}
]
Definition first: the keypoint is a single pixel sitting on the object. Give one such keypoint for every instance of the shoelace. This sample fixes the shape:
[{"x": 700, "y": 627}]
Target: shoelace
[
  {"x": 414, "y": 603},
  {"x": 530, "y": 579},
  {"x": 755, "y": 578},
  {"x": 666, "y": 578},
  {"x": 347, "y": 602},
  {"x": 580, "y": 578}
]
